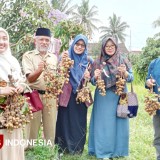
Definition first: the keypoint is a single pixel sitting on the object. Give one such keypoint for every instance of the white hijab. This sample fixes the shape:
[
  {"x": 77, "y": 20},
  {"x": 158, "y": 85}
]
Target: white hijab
[{"x": 9, "y": 64}]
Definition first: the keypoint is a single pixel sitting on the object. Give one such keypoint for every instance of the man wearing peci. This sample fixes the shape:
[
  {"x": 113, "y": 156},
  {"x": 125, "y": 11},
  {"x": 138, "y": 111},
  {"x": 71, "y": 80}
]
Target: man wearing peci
[{"x": 33, "y": 63}]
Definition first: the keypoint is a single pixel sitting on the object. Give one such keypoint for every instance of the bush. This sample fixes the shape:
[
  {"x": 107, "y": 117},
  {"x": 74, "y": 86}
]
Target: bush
[{"x": 150, "y": 52}]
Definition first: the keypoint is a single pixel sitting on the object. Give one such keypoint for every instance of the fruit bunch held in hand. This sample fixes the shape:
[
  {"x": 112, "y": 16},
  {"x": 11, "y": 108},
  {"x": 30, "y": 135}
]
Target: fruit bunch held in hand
[
  {"x": 100, "y": 84},
  {"x": 17, "y": 112},
  {"x": 120, "y": 84},
  {"x": 54, "y": 81},
  {"x": 55, "y": 78},
  {"x": 83, "y": 94},
  {"x": 65, "y": 64},
  {"x": 151, "y": 102},
  {"x": 121, "y": 79}
]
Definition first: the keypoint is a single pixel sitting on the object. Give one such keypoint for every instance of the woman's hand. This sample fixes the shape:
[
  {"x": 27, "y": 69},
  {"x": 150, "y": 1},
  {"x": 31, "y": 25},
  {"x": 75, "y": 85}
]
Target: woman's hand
[
  {"x": 65, "y": 54},
  {"x": 122, "y": 69},
  {"x": 87, "y": 74},
  {"x": 7, "y": 91},
  {"x": 150, "y": 82},
  {"x": 97, "y": 73},
  {"x": 19, "y": 89}
]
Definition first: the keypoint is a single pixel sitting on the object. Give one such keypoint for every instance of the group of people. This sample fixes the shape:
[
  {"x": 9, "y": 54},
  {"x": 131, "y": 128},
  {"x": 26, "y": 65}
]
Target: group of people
[{"x": 66, "y": 125}]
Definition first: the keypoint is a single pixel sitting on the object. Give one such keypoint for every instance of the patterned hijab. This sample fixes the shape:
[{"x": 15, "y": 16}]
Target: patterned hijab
[
  {"x": 111, "y": 62},
  {"x": 8, "y": 64},
  {"x": 80, "y": 62}
]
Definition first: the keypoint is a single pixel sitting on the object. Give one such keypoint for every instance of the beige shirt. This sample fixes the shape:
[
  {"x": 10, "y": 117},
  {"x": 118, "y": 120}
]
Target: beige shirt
[{"x": 30, "y": 63}]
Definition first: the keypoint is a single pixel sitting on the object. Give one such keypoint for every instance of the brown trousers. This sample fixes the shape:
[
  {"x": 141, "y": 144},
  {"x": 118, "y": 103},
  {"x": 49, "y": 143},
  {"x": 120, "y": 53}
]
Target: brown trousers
[
  {"x": 48, "y": 117},
  {"x": 12, "y": 152}
]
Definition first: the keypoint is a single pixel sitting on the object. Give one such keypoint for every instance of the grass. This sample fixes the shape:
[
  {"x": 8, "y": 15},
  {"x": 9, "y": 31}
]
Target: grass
[{"x": 141, "y": 137}]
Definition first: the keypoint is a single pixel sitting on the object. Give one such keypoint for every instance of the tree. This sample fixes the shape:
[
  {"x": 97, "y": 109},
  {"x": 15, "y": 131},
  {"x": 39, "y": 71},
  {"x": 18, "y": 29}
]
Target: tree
[
  {"x": 116, "y": 28},
  {"x": 96, "y": 49},
  {"x": 66, "y": 30},
  {"x": 21, "y": 18},
  {"x": 150, "y": 52},
  {"x": 85, "y": 17},
  {"x": 63, "y": 6},
  {"x": 156, "y": 23}
]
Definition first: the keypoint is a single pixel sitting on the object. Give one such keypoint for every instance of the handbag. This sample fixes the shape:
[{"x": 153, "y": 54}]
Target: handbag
[
  {"x": 122, "y": 108},
  {"x": 34, "y": 99},
  {"x": 65, "y": 96},
  {"x": 132, "y": 103}
]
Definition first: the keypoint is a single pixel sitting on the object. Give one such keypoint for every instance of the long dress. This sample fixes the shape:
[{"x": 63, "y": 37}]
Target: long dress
[
  {"x": 108, "y": 134},
  {"x": 71, "y": 126}
]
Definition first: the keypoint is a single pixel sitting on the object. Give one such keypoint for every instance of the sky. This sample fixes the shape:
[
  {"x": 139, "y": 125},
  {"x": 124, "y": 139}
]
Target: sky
[{"x": 139, "y": 15}]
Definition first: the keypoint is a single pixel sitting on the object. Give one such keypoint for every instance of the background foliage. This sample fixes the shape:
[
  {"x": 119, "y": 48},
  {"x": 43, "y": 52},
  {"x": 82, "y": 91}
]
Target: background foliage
[
  {"x": 149, "y": 52},
  {"x": 67, "y": 30},
  {"x": 21, "y": 18}
]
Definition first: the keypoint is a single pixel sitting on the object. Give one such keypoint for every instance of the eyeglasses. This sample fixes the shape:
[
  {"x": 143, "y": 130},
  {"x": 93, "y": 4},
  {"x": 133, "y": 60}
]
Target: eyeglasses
[
  {"x": 81, "y": 45},
  {"x": 110, "y": 47},
  {"x": 3, "y": 38}
]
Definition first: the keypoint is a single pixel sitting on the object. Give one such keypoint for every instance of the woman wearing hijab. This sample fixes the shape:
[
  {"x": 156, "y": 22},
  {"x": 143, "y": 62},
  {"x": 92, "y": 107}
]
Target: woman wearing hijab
[
  {"x": 72, "y": 117},
  {"x": 109, "y": 134},
  {"x": 9, "y": 66}
]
